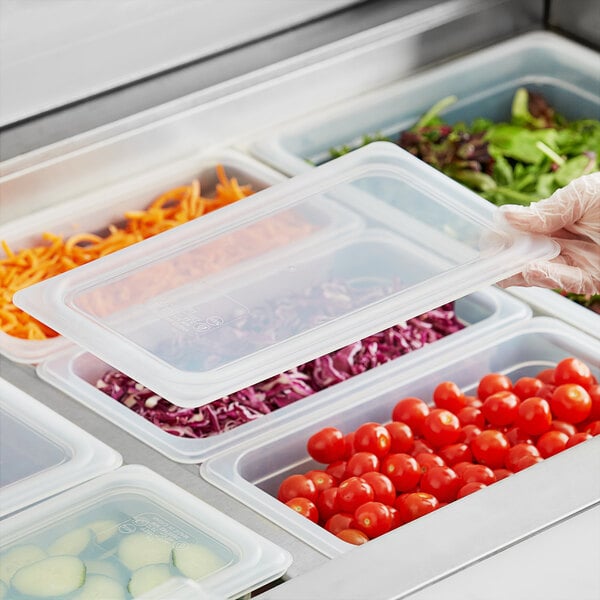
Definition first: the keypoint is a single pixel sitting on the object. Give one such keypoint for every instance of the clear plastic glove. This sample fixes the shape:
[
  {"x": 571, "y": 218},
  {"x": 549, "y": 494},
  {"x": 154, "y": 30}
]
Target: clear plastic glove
[{"x": 571, "y": 216}]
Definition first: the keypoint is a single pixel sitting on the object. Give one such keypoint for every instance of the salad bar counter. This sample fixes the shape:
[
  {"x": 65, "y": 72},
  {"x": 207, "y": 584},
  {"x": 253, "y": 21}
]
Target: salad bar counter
[{"x": 252, "y": 346}]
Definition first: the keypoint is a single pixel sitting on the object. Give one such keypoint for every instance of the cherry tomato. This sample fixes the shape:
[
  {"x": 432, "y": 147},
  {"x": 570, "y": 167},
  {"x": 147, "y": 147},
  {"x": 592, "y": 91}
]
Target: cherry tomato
[
  {"x": 551, "y": 443},
  {"x": 441, "y": 427},
  {"x": 411, "y": 411},
  {"x": 402, "y": 437},
  {"x": 567, "y": 428},
  {"x": 441, "y": 482},
  {"x": 403, "y": 471},
  {"x": 454, "y": 453},
  {"x": 473, "y": 401},
  {"x": 515, "y": 435},
  {"x": 321, "y": 479},
  {"x": 502, "y": 474},
  {"x": 470, "y": 415},
  {"x": 295, "y": 486},
  {"x": 477, "y": 473},
  {"x": 361, "y": 462},
  {"x": 579, "y": 437},
  {"x": 304, "y": 507},
  {"x": 468, "y": 433},
  {"x": 447, "y": 395},
  {"x": 519, "y": 455},
  {"x": 373, "y": 518},
  {"x": 570, "y": 402},
  {"x": 573, "y": 370},
  {"x": 526, "y": 387},
  {"x": 535, "y": 417},
  {"x": 327, "y": 445},
  {"x": 353, "y": 492},
  {"x": 547, "y": 376},
  {"x": 396, "y": 517},
  {"x": 349, "y": 445},
  {"x": 527, "y": 460},
  {"x": 415, "y": 505},
  {"x": 501, "y": 408},
  {"x": 339, "y": 522},
  {"x": 427, "y": 460},
  {"x": 469, "y": 488},
  {"x": 353, "y": 536},
  {"x": 594, "y": 392},
  {"x": 421, "y": 446},
  {"x": 327, "y": 503},
  {"x": 490, "y": 448},
  {"x": 383, "y": 488},
  {"x": 372, "y": 437},
  {"x": 337, "y": 469},
  {"x": 593, "y": 428},
  {"x": 491, "y": 383},
  {"x": 460, "y": 467}
]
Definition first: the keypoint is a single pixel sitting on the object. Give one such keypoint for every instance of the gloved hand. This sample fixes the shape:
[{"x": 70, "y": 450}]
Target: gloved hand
[{"x": 571, "y": 216}]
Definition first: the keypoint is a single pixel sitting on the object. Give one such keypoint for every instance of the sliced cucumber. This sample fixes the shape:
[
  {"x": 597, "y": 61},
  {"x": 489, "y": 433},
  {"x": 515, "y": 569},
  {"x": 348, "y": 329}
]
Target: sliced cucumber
[
  {"x": 100, "y": 587},
  {"x": 106, "y": 568},
  {"x": 147, "y": 578},
  {"x": 138, "y": 550},
  {"x": 103, "y": 530},
  {"x": 74, "y": 542},
  {"x": 17, "y": 558},
  {"x": 52, "y": 576},
  {"x": 196, "y": 561}
]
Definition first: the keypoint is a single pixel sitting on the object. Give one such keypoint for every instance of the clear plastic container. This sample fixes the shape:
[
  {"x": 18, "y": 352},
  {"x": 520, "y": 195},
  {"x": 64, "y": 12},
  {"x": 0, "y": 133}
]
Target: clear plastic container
[
  {"x": 298, "y": 270},
  {"x": 41, "y": 453},
  {"x": 130, "y": 531},
  {"x": 517, "y": 351},
  {"x": 76, "y": 373},
  {"x": 94, "y": 212}
]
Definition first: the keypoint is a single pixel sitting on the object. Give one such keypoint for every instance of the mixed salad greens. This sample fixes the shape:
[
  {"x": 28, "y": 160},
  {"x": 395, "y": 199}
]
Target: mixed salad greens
[{"x": 519, "y": 161}]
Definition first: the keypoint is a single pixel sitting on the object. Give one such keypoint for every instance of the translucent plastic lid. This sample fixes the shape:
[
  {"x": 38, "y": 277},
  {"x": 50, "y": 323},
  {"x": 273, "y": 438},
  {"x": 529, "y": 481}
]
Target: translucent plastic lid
[
  {"x": 300, "y": 269},
  {"x": 41, "y": 453},
  {"x": 126, "y": 533}
]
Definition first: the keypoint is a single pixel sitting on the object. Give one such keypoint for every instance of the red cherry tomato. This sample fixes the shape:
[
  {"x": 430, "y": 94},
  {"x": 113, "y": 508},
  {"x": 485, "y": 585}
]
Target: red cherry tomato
[
  {"x": 373, "y": 518},
  {"x": 593, "y": 428},
  {"x": 337, "y": 470},
  {"x": 551, "y": 443},
  {"x": 372, "y": 437},
  {"x": 515, "y": 457},
  {"x": 469, "y": 488},
  {"x": 473, "y": 401},
  {"x": 547, "y": 376},
  {"x": 441, "y": 427},
  {"x": 327, "y": 503},
  {"x": 477, "y": 473},
  {"x": 441, "y": 482},
  {"x": 396, "y": 517},
  {"x": 321, "y": 479},
  {"x": 353, "y": 536},
  {"x": 455, "y": 453},
  {"x": 304, "y": 507},
  {"x": 581, "y": 436},
  {"x": 527, "y": 460},
  {"x": 490, "y": 448},
  {"x": 353, "y": 492},
  {"x": 349, "y": 445},
  {"x": 421, "y": 447},
  {"x": 468, "y": 433},
  {"x": 470, "y": 415},
  {"x": 535, "y": 417},
  {"x": 570, "y": 402},
  {"x": 402, "y": 470},
  {"x": 339, "y": 522},
  {"x": 411, "y": 411},
  {"x": 361, "y": 462},
  {"x": 447, "y": 395},
  {"x": 402, "y": 438},
  {"x": 460, "y": 467},
  {"x": 502, "y": 474},
  {"x": 501, "y": 408},
  {"x": 327, "y": 445},
  {"x": 415, "y": 505},
  {"x": 491, "y": 383},
  {"x": 567, "y": 428},
  {"x": 515, "y": 435},
  {"x": 295, "y": 486},
  {"x": 573, "y": 370},
  {"x": 427, "y": 460},
  {"x": 526, "y": 387},
  {"x": 383, "y": 488},
  {"x": 594, "y": 392}
]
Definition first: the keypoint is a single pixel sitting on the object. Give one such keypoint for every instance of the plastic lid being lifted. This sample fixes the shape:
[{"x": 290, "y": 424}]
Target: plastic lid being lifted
[
  {"x": 41, "y": 453},
  {"x": 293, "y": 272}
]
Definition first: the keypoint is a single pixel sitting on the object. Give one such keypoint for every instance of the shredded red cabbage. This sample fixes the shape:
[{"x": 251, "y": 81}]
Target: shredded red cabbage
[{"x": 260, "y": 399}]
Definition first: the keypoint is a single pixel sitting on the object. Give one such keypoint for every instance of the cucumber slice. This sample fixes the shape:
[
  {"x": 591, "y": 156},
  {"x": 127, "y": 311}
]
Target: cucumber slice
[
  {"x": 100, "y": 587},
  {"x": 195, "y": 561},
  {"x": 103, "y": 530},
  {"x": 52, "y": 576},
  {"x": 138, "y": 550},
  {"x": 106, "y": 568},
  {"x": 73, "y": 543},
  {"x": 147, "y": 578},
  {"x": 17, "y": 558}
]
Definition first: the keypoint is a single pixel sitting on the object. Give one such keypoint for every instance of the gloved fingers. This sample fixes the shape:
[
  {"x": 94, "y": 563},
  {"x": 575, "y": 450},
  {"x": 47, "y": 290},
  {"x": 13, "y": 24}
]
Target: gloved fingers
[
  {"x": 555, "y": 275},
  {"x": 576, "y": 207}
]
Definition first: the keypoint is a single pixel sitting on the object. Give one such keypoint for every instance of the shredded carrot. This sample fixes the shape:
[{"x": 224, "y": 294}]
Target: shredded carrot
[{"x": 31, "y": 265}]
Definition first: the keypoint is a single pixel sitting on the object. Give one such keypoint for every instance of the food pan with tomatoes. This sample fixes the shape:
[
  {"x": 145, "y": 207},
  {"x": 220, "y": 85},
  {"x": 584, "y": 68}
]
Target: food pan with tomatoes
[{"x": 404, "y": 441}]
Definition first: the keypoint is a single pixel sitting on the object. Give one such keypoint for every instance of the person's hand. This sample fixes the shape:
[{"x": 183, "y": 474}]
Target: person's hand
[{"x": 571, "y": 216}]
